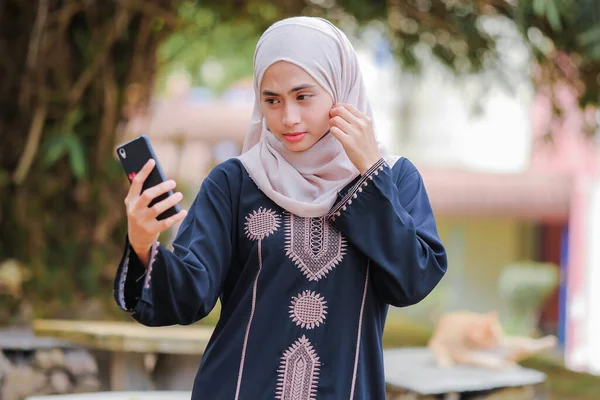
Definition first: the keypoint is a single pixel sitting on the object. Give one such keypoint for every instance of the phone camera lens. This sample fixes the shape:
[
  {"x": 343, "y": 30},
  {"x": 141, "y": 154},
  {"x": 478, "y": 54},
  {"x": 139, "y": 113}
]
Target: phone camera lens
[{"x": 122, "y": 153}]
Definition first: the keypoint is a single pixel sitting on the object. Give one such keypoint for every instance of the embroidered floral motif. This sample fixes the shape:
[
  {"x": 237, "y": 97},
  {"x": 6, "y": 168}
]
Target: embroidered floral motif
[
  {"x": 314, "y": 245},
  {"x": 356, "y": 189},
  {"x": 261, "y": 223},
  {"x": 308, "y": 309},
  {"x": 298, "y": 372}
]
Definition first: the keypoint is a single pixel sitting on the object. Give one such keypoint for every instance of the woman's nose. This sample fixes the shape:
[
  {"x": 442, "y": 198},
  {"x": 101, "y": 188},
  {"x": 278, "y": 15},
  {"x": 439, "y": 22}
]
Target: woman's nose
[{"x": 291, "y": 115}]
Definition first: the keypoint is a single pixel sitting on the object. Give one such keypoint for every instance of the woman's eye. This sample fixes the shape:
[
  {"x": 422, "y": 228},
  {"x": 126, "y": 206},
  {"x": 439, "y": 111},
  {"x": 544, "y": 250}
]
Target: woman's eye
[
  {"x": 304, "y": 96},
  {"x": 271, "y": 101}
]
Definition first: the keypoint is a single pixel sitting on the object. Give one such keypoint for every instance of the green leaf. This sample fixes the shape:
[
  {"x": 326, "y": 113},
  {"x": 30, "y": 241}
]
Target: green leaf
[
  {"x": 83, "y": 43},
  {"x": 157, "y": 24},
  {"x": 553, "y": 15},
  {"x": 77, "y": 157},
  {"x": 589, "y": 37},
  {"x": 594, "y": 53},
  {"x": 539, "y": 8},
  {"x": 53, "y": 150},
  {"x": 73, "y": 118},
  {"x": 66, "y": 143},
  {"x": 552, "y": 10}
]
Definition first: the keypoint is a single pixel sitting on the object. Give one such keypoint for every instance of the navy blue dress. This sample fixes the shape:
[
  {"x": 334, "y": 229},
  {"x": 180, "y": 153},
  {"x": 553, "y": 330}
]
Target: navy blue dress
[{"x": 304, "y": 300}]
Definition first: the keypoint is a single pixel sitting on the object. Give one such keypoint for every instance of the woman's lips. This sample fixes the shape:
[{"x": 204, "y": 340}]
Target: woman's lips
[{"x": 294, "y": 136}]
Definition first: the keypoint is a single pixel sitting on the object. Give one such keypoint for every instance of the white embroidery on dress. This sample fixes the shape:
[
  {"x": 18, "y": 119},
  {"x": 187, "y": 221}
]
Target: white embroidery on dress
[
  {"x": 314, "y": 245},
  {"x": 308, "y": 309},
  {"x": 261, "y": 223},
  {"x": 357, "y": 188},
  {"x": 153, "y": 254},
  {"x": 298, "y": 372},
  {"x": 359, "y": 334},
  {"x": 122, "y": 279}
]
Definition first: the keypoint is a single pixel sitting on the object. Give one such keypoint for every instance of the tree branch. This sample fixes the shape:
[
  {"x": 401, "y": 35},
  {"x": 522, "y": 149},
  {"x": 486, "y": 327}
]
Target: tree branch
[
  {"x": 88, "y": 75},
  {"x": 64, "y": 15},
  {"x": 32, "y": 144},
  {"x": 109, "y": 116},
  {"x": 36, "y": 34},
  {"x": 151, "y": 10},
  {"x": 32, "y": 52}
]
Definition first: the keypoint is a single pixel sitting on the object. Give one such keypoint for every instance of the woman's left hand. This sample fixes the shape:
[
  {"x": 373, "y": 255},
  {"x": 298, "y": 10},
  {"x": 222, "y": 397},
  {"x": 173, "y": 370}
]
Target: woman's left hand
[{"x": 354, "y": 130}]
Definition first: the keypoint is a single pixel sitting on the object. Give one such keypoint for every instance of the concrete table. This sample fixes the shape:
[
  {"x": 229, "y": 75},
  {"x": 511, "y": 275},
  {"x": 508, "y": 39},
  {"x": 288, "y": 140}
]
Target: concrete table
[
  {"x": 413, "y": 370},
  {"x": 178, "y": 348},
  {"x": 15, "y": 339}
]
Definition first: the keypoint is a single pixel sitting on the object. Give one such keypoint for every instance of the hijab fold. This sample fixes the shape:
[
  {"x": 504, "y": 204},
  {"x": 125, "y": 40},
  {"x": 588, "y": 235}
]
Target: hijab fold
[{"x": 305, "y": 183}]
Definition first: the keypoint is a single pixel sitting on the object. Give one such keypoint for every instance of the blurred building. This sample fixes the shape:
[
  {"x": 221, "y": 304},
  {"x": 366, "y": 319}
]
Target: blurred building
[{"x": 502, "y": 193}]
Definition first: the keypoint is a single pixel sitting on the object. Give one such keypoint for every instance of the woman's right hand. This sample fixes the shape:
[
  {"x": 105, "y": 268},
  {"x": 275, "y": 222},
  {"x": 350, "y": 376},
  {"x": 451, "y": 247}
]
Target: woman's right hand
[{"x": 143, "y": 228}]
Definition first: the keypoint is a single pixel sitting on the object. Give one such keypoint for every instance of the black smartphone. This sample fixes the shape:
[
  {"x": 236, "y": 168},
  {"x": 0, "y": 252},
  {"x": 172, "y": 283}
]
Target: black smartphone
[{"x": 133, "y": 156}]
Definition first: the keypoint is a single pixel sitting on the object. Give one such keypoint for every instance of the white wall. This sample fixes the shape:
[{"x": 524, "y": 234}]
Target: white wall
[
  {"x": 429, "y": 119},
  {"x": 590, "y": 348}
]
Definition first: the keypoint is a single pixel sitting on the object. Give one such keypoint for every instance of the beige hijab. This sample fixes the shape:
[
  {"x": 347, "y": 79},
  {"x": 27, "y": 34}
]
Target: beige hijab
[{"x": 305, "y": 183}]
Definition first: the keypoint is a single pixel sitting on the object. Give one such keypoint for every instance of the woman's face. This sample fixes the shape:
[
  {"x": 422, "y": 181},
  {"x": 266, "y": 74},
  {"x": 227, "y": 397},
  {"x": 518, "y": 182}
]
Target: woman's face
[{"x": 295, "y": 106}]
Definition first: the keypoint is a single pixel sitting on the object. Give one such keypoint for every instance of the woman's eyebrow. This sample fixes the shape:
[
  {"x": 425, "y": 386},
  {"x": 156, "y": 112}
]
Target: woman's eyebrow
[{"x": 295, "y": 89}]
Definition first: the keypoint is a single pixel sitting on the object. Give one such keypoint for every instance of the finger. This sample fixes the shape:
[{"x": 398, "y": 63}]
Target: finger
[
  {"x": 151, "y": 193},
  {"x": 165, "y": 204},
  {"x": 172, "y": 220},
  {"x": 339, "y": 135},
  {"x": 342, "y": 124},
  {"x": 138, "y": 181},
  {"x": 341, "y": 111},
  {"x": 353, "y": 110}
]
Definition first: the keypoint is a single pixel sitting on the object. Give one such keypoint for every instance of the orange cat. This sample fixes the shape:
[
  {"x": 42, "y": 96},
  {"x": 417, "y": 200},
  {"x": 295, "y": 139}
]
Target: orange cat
[{"x": 465, "y": 337}]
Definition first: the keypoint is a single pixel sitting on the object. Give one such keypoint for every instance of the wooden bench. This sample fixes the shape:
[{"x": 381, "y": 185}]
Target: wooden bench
[{"x": 178, "y": 349}]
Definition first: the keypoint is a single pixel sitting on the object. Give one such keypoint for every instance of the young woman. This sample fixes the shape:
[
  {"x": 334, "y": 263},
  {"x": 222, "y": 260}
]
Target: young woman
[{"x": 306, "y": 238}]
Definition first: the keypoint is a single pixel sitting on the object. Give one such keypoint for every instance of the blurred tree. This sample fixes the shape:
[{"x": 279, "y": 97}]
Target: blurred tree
[
  {"x": 216, "y": 43},
  {"x": 71, "y": 71},
  {"x": 67, "y": 69},
  {"x": 563, "y": 37}
]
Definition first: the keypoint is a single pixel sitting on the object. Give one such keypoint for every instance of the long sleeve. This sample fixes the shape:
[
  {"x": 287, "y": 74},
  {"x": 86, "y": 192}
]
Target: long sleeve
[
  {"x": 183, "y": 285},
  {"x": 390, "y": 220}
]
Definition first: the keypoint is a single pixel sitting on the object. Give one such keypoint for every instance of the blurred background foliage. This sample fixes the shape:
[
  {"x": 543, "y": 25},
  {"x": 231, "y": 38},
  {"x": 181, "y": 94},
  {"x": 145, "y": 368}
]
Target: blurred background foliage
[
  {"x": 525, "y": 286},
  {"x": 74, "y": 69}
]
